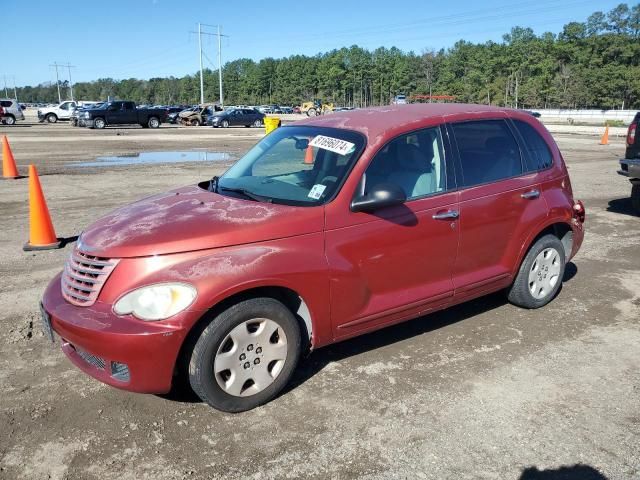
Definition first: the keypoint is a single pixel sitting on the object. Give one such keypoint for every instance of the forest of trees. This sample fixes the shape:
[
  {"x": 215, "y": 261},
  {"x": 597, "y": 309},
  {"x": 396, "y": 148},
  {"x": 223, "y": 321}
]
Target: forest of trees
[{"x": 592, "y": 64}]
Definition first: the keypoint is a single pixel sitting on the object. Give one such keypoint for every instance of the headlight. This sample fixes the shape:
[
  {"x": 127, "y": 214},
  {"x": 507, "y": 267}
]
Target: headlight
[{"x": 156, "y": 302}]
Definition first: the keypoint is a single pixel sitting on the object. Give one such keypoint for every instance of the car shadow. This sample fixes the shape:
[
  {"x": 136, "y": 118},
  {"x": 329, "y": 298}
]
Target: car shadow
[
  {"x": 574, "y": 472},
  {"x": 570, "y": 271},
  {"x": 319, "y": 359},
  {"x": 16, "y": 126},
  {"x": 622, "y": 206}
]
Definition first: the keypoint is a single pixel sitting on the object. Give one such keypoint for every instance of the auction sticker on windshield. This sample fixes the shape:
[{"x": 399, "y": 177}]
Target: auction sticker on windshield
[
  {"x": 341, "y": 147},
  {"x": 316, "y": 191}
]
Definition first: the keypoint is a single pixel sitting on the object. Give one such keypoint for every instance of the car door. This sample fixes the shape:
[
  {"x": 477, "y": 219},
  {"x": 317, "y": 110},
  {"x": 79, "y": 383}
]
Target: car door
[
  {"x": 114, "y": 112},
  {"x": 129, "y": 113},
  {"x": 64, "y": 111},
  {"x": 499, "y": 205},
  {"x": 396, "y": 263}
]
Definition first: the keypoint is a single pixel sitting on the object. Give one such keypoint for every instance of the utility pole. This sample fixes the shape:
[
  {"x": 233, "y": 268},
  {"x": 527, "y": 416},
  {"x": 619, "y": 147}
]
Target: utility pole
[
  {"x": 5, "y": 86},
  {"x": 57, "y": 81},
  {"x": 219, "y": 35},
  {"x": 15, "y": 91},
  {"x": 69, "y": 67},
  {"x": 201, "y": 70},
  {"x": 220, "y": 66}
]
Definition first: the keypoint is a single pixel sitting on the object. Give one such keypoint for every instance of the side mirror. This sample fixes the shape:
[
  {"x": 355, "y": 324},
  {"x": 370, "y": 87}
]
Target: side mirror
[{"x": 381, "y": 196}]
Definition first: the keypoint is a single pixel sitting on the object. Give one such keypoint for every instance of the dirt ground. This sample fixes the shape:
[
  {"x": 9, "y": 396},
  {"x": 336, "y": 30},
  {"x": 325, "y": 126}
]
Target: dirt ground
[{"x": 483, "y": 390}]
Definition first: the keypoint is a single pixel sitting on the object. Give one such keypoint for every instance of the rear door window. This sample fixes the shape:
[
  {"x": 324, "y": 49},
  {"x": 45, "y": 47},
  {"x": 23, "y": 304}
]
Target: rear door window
[
  {"x": 538, "y": 154},
  {"x": 488, "y": 151}
]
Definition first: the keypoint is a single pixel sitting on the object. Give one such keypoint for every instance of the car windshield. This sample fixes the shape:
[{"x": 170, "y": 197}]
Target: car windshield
[{"x": 294, "y": 165}]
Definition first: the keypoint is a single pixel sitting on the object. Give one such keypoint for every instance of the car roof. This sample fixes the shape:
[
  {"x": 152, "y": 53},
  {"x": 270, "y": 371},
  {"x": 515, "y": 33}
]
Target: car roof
[{"x": 375, "y": 121}]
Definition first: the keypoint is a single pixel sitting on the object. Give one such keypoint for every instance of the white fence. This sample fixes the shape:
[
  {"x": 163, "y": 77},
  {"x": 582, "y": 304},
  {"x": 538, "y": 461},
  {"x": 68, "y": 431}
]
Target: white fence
[{"x": 592, "y": 117}]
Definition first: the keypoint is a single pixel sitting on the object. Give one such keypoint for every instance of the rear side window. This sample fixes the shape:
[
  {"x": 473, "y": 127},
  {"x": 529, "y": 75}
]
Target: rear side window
[
  {"x": 539, "y": 155},
  {"x": 488, "y": 151},
  {"x": 6, "y": 103}
]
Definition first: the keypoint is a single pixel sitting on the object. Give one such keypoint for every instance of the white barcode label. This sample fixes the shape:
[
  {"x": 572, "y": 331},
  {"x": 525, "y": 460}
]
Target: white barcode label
[{"x": 341, "y": 147}]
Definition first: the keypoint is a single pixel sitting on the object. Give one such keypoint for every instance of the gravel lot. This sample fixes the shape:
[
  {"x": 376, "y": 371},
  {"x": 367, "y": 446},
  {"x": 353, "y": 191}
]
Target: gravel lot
[{"x": 483, "y": 390}]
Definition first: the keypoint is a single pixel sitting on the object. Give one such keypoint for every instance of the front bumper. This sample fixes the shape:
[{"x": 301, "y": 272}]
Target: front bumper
[
  {"x": 629, "y": 168},
  {"x": 100, "y": 343}
]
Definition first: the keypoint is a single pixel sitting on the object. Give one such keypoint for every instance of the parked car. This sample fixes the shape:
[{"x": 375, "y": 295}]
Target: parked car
[
  {"x": 400, "y": 99},
  {"x": 286, "y": 110},
  {"x": 630, "y": 164},
  {"x": 52, "y": 114},
  {"x": 198, "y": 115},
  {"x": 237, "y": 117},
  {"x": 297, "y": 109},
  {"x": 327, "y": 229},
  {"x": 12, "y": 111},
  {"x": 172, "y": 113},
  {"x": 121, "y": 113}
]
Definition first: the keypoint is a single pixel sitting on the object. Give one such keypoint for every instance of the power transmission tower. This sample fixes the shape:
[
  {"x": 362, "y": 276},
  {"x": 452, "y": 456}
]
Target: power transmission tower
[
  {"x": 219, "y": 35},
  {"x": 69, "y": 67},
  {"x": 5, "y": 87}
]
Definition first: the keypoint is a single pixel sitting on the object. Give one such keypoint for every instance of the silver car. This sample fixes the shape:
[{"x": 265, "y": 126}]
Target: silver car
[{"x": 12, "y": 111}]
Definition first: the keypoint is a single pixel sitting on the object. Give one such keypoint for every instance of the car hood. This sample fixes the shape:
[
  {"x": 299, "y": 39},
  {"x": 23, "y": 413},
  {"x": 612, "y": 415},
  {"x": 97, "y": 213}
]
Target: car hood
[{"x": 192, "y": 218}]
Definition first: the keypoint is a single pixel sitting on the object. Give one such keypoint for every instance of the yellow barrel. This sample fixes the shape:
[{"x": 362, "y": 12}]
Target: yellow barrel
[{"x": 270, "y": 124}]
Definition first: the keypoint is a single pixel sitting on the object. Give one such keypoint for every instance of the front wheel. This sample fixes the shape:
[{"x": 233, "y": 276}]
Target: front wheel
[
  {"x": 225, "y": 124},
  {"x": 540, "y": 275},
  {"x": 258, "y": 123},
  {"x": 153, "y": 122},
  {"x": 312, "y": 112},
  {"x": 195, "y": 122},
  {"x": 99, "y": 123},
  {"x": 246, "y": 355}
]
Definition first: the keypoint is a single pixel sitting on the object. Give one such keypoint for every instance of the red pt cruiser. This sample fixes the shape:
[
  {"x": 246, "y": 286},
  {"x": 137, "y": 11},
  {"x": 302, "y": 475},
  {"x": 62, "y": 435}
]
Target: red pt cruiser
[{"x": 325, "y": 230}]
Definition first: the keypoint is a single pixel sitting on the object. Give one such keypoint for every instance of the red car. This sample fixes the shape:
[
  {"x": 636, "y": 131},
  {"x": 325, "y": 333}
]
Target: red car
[{"x": 326, "y": 229}]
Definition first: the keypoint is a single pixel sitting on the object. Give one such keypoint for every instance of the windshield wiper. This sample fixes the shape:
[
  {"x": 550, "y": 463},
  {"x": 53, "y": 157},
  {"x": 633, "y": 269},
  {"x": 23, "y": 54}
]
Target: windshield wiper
[{"x": 248, "y": 194}]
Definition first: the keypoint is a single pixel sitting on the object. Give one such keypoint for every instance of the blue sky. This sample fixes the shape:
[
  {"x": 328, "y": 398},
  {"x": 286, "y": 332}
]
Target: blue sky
[{"x": 150, "y": 38}]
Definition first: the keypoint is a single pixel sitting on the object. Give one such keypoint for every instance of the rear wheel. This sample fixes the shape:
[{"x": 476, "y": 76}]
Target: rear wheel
[
  {"x": 153, "y": 122},
  {"x": 10, "y": 120},
  {"x": 540, "y": 275},
  {"x": 246, "y": 355},
  {"x": 51, "y": 118},
  {"x": 635, "y": 197}
]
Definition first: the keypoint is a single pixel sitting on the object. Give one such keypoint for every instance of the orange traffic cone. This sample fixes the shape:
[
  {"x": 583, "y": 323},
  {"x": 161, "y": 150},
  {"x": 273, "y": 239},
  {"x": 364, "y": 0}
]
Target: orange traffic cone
[
  {"x": 9, "y": 169},
  {"x": 41, "y": 233},
  {"x": 308, "y": 156},
  {"x": 605, "y": 137}
]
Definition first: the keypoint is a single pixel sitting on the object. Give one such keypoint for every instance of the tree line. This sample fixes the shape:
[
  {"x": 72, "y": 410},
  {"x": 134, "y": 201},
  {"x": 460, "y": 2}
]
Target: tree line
[{"x": 591, "y": 64}]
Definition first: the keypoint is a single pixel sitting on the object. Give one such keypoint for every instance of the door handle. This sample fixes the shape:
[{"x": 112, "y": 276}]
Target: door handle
[
  {"x": 531, "y": 194},
  {"x": 448, "y": 215}
]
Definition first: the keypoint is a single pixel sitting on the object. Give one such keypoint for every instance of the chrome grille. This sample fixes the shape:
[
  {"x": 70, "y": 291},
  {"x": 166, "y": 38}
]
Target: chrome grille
[
  {"x": 83, "y": 277},
  {"x": 91, "y": 359}
]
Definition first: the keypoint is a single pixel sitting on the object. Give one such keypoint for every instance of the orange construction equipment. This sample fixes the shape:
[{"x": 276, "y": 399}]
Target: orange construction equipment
[
  {"x": 605, "y": 137},
  {"x": 41, "y": 233},
  {"x": 9, "y": 169}
]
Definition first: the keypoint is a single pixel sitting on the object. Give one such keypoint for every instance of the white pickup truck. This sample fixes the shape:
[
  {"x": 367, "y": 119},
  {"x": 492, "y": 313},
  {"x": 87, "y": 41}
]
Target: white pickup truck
[{"x": 62, "y": 111}]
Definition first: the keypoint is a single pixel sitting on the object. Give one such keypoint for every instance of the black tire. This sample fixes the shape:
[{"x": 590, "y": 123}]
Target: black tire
[
  {"x": 258, "y": 123},
  {"x": 202, "y": 376},
  {"x": 195, "y": 122},
  {"x": 154, "y": 122},
  {"x": 99, "y": 123},
  {"x": 225, "y": 124},
  {"x": 9, "y": 120},
  {"x": 51, "y": 118},
  {"x": 520, "y": 293},
  {"x": 635, "y": 198},
  {"x": 312, "y": 112}
]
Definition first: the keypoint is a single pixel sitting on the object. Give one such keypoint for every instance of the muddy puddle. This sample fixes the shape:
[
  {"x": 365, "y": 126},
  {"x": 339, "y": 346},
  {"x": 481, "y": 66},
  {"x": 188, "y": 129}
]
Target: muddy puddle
[{"x": 156, "y": 157}]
